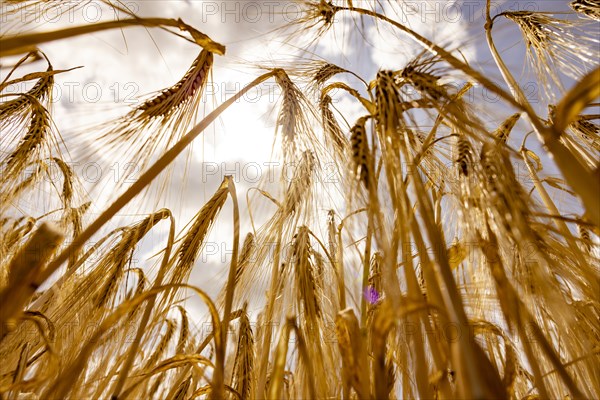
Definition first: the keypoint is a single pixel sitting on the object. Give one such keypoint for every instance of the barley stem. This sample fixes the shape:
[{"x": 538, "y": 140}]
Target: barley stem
[
  {"x": 268, "y": 316},
  {"x": 20, "y": 43}
]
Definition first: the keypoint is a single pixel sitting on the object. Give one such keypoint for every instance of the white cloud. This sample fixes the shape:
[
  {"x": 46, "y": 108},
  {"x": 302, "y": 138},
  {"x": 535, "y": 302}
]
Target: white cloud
[{"x": 445, "y": 23}]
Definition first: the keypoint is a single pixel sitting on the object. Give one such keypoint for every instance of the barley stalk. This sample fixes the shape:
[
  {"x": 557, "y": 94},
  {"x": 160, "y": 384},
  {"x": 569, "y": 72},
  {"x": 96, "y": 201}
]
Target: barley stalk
[{"x": 12, "y": 45}]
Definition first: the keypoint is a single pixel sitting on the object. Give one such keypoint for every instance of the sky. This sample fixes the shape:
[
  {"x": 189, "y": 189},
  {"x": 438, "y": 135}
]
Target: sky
[{"x": 122, "y": 68}]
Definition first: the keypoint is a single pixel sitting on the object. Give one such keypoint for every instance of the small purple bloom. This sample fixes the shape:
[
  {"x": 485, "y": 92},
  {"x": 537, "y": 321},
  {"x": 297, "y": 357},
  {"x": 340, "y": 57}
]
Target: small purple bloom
[{"x": 371, "y": 294}]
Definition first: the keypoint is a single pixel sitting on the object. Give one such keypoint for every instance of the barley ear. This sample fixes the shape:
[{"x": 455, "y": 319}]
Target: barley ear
[
  {"x": 360, "y": 151},
  {"x": 354, "y": 353},
  {"x": 506, "y": 127},
  {"x": 589, "y": 8}
]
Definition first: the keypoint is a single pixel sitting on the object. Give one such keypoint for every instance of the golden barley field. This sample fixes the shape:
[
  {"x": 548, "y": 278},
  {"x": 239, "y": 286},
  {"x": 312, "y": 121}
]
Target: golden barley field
[{"x": 455, "y": 257}]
